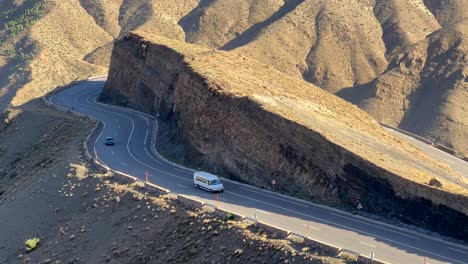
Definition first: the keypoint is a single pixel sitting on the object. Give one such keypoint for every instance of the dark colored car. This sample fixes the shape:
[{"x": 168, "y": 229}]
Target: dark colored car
[{"x": 109, "y": 141}]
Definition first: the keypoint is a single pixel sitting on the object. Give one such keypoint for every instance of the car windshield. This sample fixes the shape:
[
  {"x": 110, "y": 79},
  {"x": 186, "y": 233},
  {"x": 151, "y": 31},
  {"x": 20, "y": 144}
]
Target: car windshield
[
  {"x": 215, "y": 182},
  {"x": 109, "y": 138}
]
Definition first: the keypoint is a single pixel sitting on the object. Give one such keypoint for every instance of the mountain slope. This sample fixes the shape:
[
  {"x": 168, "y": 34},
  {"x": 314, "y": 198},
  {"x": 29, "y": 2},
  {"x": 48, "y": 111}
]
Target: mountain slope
[
  {"x": 448, "y": 11},
  {"x": 425, "y": 89},
  {"x": 340, "y": 46},
  {"x": 244, "y": 120}
]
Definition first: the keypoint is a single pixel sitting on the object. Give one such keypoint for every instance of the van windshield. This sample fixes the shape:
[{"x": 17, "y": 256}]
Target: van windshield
[{"x": 215, "y": 182}]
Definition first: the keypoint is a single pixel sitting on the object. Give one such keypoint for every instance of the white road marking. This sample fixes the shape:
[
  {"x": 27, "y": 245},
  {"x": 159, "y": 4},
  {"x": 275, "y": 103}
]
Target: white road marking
[
  {"x": 312, "y": 227},
  {"x": 112, "y": 152},
  {"x": 130, "y": 137},
  {"x": 146, "y": 137},
  {"x": 449, "y": 161},
  {"x": 463, "y": 252},
  {"x": 147, "y": 122},
  {"x": 271, "y": 196},
  {"x": 263, "y": 212},
  {"x": 350, "y": 228},
  {"x": 151, "y": 157},
  {"x": 362, "y": 222},
  {"x": 186, "y": 171},
  {"x": 123, "y": 163},
  {"x": 100, "y": 134},
  {"x": 369, "y": 245}
]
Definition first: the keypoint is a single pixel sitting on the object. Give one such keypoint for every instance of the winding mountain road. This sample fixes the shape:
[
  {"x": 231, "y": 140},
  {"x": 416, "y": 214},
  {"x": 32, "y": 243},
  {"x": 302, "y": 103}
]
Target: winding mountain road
[{"x": 132, "y": 155}]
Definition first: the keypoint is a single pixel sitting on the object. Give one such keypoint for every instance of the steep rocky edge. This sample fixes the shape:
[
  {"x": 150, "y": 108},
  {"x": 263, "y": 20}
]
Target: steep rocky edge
[{"x": 249, "y": 122}]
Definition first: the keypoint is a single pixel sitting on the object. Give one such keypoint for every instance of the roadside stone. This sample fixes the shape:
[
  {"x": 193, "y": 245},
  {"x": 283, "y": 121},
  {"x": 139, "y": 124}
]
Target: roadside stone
[{"x": 435, "y": 182}]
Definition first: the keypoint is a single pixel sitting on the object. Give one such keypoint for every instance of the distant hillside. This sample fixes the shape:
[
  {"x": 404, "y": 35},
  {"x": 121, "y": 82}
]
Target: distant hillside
[
  {"x": 344, "y": 47},
  {"x": 425, "y": 88}
]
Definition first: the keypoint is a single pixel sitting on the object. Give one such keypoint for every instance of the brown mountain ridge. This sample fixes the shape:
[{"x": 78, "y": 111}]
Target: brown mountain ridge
[{"x": 353, "y": 48}]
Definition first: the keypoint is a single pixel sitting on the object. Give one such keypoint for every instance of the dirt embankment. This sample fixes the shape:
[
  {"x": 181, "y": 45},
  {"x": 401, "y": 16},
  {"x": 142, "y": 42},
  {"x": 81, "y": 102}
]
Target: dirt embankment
[
  {"x": 246, "y": 121},
  {"x": 47, "y": 190}
]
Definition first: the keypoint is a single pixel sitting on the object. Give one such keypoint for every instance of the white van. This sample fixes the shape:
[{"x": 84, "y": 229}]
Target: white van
[{"x": 209, "y": 182}]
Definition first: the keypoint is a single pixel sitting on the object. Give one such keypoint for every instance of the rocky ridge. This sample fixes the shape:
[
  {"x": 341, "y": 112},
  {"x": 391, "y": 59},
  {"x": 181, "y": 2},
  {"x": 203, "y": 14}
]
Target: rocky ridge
[{"x": 247, "y": 121}]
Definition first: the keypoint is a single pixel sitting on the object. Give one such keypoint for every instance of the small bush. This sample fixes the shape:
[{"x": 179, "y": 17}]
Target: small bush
[
  {"x": 229, "y": 216},
  {"x": 31, "y": 244},
  {"x": 349, "y": 259}
]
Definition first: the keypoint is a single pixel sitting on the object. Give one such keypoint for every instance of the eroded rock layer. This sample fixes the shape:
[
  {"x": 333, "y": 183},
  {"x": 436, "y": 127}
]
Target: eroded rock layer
[{"x": 247, "y": 121}]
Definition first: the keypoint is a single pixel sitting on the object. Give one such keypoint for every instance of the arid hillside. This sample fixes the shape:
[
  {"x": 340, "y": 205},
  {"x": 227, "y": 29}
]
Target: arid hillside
[
  {"x": 247, "y": 121},
  {"x": 425, "y": 88},
  {"x": 338, "y": 46},
  {"x": 81, "y": 215}
]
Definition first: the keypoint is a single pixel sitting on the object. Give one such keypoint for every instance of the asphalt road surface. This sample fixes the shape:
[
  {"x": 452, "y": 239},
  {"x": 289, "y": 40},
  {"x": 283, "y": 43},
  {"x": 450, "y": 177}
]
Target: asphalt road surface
[{"x": 132, "y": 155}]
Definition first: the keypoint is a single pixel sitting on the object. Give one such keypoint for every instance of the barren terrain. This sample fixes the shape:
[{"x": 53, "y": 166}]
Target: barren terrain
[
  {"x": 81, "y": 215},
  {"x": 247, "y": 121},
  {"x": 339, "y": 46}
]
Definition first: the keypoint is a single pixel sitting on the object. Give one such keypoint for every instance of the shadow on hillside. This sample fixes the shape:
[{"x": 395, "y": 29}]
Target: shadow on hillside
[
  {"x": 191, "y": 22},
  {"x": 11, "y": 80},
  {"x": 255, "y": 30}
]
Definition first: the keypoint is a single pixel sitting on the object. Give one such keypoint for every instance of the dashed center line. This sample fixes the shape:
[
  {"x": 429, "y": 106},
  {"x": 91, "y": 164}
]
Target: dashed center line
[
  {"x": 311, "y": 227},
  {"x": 380, "y": 227},
  {"x": 369, "y": 245},
  {"x": 274, "y": 197},
  {"x": 123, "y": 163},
  {"x": 181, "y": 170}
]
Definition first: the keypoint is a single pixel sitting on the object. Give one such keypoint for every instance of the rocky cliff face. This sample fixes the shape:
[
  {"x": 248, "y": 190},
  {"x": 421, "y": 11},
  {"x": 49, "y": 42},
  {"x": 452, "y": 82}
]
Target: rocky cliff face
[{"x": 249, "y": 122}]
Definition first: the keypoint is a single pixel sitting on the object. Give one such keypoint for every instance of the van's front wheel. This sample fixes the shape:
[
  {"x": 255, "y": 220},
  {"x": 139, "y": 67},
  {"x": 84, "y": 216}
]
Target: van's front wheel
[{"x": 197, "y": 186}]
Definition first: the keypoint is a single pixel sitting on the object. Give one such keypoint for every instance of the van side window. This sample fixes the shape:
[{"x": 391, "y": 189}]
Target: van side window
[{"x": 202, "y": 179}]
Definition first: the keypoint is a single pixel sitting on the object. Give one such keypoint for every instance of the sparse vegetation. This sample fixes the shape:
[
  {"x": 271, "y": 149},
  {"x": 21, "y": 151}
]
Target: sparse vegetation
[
  {"x": 16, "y": 23},
  {"x": 229, "y": 216},
  {"x": 31, "y": 243},
  {"x": 20, "y": 55},
  {"x": 349, "y": 259}
]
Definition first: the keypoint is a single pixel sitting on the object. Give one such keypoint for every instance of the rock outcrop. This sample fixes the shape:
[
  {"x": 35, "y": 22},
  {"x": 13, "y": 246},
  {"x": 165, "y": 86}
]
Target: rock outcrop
[{"x": 249, "y": 122}]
